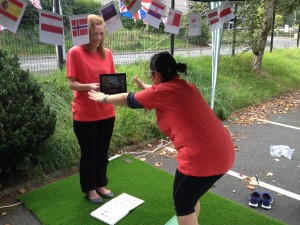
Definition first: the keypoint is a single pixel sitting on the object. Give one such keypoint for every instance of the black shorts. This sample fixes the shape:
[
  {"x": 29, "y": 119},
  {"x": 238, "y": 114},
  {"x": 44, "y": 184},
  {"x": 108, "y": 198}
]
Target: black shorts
[{"x": 187, "y": 190}]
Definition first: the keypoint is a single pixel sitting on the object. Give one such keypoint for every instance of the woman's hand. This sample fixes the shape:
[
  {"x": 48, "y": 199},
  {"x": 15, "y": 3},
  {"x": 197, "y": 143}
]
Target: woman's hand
[
  {"x": 96, "y": 96},
  {"x": 95, "y": 86},
  {"x": 140, "y": 83}
]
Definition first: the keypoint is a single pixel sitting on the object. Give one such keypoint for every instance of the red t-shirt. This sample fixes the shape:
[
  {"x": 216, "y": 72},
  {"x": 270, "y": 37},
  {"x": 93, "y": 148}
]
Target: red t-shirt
[
  {"x": 204, "y": 145},
  {"x": 85, "y": 67}
]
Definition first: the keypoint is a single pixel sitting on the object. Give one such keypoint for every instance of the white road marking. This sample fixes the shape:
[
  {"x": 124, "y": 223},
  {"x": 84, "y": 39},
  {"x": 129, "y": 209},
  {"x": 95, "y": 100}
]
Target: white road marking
[
  {"x": 279, "y": 124},
  {"x": 268, "y": 186}
]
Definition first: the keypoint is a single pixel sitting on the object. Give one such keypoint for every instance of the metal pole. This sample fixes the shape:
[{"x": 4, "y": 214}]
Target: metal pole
[
  {"x": 234, "y": 30},
  {"x": 298, "y": 36},
  {"x": 59, "y": 48},
  {"x": 172, "y": 35},
  {"x": 272, "y": 32}
]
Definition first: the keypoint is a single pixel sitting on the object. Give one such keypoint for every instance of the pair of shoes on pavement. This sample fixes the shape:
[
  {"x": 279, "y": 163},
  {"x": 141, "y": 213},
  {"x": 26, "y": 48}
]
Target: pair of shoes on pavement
[{"x": 265, "y": 198}]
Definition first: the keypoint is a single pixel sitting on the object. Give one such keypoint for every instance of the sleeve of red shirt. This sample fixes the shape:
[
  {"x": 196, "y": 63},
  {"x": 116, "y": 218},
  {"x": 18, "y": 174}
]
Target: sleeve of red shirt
[
  {"x": 149, "y": 98},
  {"x": 71, "y": 63}
]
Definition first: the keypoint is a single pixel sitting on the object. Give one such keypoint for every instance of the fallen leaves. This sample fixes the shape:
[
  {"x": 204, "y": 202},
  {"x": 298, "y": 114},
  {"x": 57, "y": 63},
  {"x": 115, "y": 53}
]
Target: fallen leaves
[{"x": 279, "y": 105}]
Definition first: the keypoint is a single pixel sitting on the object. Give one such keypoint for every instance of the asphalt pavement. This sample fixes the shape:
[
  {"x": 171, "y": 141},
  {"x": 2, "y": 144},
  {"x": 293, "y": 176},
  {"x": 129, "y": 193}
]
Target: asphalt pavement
[{"x": 253, "y": 159}]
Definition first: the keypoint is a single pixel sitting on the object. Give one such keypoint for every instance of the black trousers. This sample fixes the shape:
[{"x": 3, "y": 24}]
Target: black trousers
[{"x": 94, "y": 139}]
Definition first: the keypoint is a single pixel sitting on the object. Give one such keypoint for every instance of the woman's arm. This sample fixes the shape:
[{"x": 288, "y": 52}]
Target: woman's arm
[
  {"x": 117, "y": 99},
  {"x": 141, "y": 84},
  {"x": 77, "y": 86}
]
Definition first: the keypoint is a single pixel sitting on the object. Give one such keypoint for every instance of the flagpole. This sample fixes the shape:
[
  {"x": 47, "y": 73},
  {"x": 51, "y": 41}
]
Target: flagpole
[
  {"x": 59, "y": 48},
  {"x": 216, "y": 44}
]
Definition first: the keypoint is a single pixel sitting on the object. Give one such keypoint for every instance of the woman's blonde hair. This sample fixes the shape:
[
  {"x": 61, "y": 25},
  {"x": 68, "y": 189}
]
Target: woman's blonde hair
[{"x": 94, "y": 20}]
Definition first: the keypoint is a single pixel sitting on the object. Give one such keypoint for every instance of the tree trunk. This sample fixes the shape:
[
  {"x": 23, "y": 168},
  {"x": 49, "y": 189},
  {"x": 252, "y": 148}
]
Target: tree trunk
[{"x": 259, "y": 48}]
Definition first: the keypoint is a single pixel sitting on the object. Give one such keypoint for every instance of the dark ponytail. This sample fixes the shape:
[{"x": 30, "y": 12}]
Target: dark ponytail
[{"x": 165, "y": 63}]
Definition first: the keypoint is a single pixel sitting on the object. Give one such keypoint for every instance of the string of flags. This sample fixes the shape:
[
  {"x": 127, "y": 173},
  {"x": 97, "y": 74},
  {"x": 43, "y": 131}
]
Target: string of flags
[{"x": 51, "y": 29}]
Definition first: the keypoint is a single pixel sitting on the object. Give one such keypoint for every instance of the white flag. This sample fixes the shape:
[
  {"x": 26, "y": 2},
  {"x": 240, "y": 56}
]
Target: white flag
[
  {"x": 194, "y": 24},
  {"x": 173, "y": 21},
  {"x": 51, "y": 28},
  {"x": 225, "y": 12},
  {"x": 214, "y": 19}
]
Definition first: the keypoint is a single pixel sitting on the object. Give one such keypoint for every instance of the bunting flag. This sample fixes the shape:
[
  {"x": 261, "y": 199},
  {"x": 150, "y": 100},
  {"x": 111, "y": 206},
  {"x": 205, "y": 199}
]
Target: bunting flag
[
  {"x": 225, "y": 12},
  {"x": 173, "y": 21},
  {"x": 132, "y": 6},
  {"x": 111, "y": 17},
  {"x": 194, "y": 24},
  {"x": 213, "y": 18},
  {"x": 36, "y": 4},
  {"x": 155, "y": 12},
  {"x": 140, "y": 14},
  {"x": 79, "y": 29},
  {"x": 11, "y": 12},
  {"x": 51, "y": 28},
  {"x": 2, "y": 28}
]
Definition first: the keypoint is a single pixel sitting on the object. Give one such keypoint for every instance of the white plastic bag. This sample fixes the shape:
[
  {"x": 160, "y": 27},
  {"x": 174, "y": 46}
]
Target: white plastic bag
[{"x": 279, "y": 150}]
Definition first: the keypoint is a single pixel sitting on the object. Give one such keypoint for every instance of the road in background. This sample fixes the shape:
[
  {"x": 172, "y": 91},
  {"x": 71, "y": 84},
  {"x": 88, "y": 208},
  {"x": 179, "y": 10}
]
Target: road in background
[{"x": 46, "y": 64}]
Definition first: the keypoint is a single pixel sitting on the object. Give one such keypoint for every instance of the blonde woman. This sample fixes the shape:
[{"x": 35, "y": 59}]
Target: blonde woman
[{"x": 93, "y": 123}]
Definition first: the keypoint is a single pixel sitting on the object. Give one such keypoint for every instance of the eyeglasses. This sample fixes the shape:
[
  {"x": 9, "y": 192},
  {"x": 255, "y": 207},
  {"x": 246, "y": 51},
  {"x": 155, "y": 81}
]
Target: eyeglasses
[{"x": 151, "y": 73}]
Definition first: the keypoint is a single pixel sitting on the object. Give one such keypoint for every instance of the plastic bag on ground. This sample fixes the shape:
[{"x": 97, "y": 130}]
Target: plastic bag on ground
[{"x": 279, "y": 150}]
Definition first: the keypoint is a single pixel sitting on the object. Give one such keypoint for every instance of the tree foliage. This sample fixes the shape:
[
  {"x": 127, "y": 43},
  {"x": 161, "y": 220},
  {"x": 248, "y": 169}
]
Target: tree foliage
[{"x": 25, "y": 121}]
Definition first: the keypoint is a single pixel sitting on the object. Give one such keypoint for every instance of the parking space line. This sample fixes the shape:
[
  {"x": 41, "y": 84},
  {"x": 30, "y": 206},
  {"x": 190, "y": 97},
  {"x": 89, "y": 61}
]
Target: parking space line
[
  {"x": 268, "y": 186},
  {"x": 279, "y": 124}
]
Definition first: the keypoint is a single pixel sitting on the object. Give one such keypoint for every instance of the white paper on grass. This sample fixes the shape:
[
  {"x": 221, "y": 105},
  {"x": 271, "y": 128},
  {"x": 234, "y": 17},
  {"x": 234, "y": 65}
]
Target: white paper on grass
[{"x": 116, "y": 209}]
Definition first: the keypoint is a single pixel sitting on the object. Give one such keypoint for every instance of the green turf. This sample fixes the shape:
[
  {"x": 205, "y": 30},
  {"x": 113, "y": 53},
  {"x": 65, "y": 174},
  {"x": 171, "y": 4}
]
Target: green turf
[{"x": 63, "y": 203}]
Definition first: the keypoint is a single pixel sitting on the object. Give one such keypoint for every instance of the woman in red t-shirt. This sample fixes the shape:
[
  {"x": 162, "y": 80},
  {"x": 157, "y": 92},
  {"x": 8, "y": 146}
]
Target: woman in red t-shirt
[
  {"x": 93, "y": 123},
  {"x": 205, "y": 149}
]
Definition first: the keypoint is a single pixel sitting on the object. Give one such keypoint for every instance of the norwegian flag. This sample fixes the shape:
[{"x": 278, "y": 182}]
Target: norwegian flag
[
  {"x": 173, "y": 21},
  {"x": 79, "y": 29},
  {"x": 36, "y": 4},
  {"x": 140, "y": 14}
]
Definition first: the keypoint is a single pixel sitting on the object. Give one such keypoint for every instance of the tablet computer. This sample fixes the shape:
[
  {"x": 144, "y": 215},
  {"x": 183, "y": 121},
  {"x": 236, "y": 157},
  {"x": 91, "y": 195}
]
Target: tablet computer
[{"x": 113, "y": 83}]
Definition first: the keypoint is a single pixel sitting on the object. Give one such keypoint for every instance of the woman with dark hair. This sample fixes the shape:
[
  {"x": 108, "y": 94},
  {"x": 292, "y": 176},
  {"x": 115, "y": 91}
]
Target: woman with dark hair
[
  {"x": 205, "y": 149},
  {"x": 93, "y": 123}
]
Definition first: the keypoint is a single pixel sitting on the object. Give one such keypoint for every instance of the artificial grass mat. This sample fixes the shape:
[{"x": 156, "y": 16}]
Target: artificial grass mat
[{"x": 62, "y": 202}]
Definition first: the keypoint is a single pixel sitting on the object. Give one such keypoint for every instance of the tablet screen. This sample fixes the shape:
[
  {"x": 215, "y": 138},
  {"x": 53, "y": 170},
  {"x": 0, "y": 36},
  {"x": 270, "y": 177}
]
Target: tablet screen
[{"x": 113, "y": 83}]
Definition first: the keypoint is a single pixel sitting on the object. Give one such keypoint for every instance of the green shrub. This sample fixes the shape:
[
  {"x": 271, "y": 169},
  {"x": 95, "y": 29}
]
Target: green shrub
[{"x": 25, "y": 121}]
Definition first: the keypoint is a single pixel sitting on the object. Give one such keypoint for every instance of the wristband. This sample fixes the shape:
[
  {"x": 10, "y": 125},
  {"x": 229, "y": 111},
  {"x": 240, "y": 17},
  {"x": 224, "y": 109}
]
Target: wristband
[{"x": 104, "y": 98}]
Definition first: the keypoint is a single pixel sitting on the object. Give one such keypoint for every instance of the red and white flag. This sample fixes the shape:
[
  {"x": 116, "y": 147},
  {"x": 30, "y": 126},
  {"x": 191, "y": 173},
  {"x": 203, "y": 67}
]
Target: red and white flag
[
  {"x": 11, "y": 12},
  {"x": 173, "y": 21},
  {"x": 79, "y": 29},
  {"x": 214, "y": 19},
  {"x": 155, "y": 13},
  {"x": 51, "y": 28},
  {"x": 194, "y": 24},
  {"x": 2, "y": 28},
  {"x": 225, "y": 12},
  {"x": 133, "y": 6},
  {"x": 36, "y": 4}
]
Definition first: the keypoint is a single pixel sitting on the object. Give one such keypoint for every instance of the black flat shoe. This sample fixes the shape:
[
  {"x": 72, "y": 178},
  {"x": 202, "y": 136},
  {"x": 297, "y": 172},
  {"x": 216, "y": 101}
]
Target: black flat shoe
[
  {"x": 108, "y": 195},
  {"x": 95, "y": 201}
]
